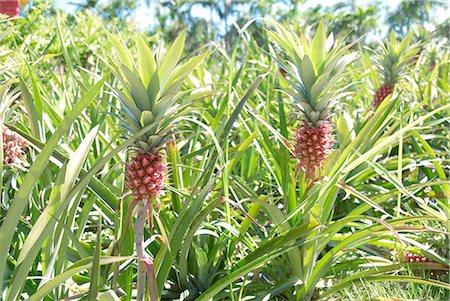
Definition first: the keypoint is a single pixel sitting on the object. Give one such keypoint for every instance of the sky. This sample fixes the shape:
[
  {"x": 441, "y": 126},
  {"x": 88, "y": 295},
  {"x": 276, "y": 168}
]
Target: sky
[{"x": 144, "y": 15}]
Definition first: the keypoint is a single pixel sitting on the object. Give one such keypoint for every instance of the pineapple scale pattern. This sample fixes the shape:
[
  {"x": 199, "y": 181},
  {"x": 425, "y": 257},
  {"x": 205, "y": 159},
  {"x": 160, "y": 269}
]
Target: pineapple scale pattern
[
  {"x": 13, "y": 148},
  {"x": 411, "y": 257},
  {"x": 145, "y": 176},
  {"x": 313, "y": 145},
  {"x": 381, "y": 94}
]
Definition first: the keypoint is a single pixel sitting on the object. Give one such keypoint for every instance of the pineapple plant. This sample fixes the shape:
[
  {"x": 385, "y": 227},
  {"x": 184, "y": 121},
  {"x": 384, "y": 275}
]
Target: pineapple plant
[
  {"x": 150, "y": 90},
  {"x": 392, "y": 61},
  {"x": 313, "y": 68}
]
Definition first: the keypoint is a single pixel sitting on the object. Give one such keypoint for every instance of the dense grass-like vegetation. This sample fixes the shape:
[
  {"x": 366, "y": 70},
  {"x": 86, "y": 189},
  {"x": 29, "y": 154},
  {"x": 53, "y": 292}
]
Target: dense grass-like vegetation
[{"x": 240, "y": 216}]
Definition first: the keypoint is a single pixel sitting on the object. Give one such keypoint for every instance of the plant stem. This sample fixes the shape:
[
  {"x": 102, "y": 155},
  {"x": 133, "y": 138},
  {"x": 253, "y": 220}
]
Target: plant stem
[{"x": 139, "y": 241}]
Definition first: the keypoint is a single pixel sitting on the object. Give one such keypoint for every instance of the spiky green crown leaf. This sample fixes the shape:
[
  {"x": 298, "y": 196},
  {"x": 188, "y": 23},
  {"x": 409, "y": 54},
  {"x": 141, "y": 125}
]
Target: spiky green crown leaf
[
  {"x": 421, "y": 37},
  {"x": 314, "y": 67},
  {"x": 393, "y": 57},
  {"x": 151, "y": 86}
]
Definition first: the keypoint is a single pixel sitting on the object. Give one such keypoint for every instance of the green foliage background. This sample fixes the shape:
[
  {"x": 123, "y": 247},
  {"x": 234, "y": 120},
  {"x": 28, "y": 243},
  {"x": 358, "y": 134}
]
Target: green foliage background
[{"x": 247, "y": 227}]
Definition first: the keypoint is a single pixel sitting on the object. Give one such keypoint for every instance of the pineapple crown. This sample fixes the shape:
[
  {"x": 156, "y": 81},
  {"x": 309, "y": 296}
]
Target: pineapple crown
[
  {"x": 151, "y": 87},
  {"x": 421, "y": 35},
  {"x": 393, "y": 57},
  {"x": 433, "y": 50},
  {"x": 314, "y": 67}
]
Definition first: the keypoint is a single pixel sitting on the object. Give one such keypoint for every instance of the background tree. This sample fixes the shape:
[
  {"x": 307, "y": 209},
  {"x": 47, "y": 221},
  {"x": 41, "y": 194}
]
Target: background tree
[
  {"x": 410, "y": 13},
  {"x": 111, "y": 9},
  {"x": 346, "y": 19}
]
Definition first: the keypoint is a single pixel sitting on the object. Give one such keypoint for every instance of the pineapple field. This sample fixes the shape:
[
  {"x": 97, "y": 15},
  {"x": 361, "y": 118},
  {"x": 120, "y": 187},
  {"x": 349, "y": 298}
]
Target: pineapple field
[{"x": 281, "y": 153}]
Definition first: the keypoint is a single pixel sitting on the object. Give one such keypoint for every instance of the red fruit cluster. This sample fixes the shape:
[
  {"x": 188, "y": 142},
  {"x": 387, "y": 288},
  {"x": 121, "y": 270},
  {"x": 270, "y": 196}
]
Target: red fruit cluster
[
  {"x": 145, "y": 176},
  {"x": 381, "y": 94},
  {"x": 411, "y": 257},
  {"x": 13, "y": 148},
  {"x": 432, "y": 65},
  {"x": 313, "y": 145},
  {"x": 9, "y": 7},
  {"x": 415, "y": 58}
]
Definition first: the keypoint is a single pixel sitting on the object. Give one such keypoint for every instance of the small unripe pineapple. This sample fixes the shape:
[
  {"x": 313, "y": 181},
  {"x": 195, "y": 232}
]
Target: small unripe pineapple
[
  {"x": 145, "y": 176},
  {"x": 13, "y": 148},
  {"x": 384, "y": 91},
  {"x": 415, "y": 58},
  {"x": 392, "y": 61},
  {"x": 282, "y": 71},
  {"x": 313, "y": 145},
  {"x": 412, "y": 257},
  {"x": 432, "y": 65}
]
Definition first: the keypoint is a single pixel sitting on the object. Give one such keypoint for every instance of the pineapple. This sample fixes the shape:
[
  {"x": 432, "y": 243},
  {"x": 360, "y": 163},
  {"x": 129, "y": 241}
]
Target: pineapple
[
  {"x": 145, "y": 175},
  {"x": 313, "y": 145},
  {"x": 412, "y": 257},
  {"x": 151, "y": 89},
  {"x": 392, "y": 61},
  {"x": 13, "y": 149},
  {"x": 381, "y": 93},
  {"x": 439, "y": 270},
  {"x": 313, "y": 68},
  {"x": 149, "y": 97}
]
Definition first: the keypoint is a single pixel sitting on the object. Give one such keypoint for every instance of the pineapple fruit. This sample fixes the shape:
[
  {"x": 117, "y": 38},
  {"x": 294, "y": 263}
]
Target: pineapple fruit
[
  {"x": 313, "y": 68},
  {"x": 392, "y": 61},
  {"x": 149, "y": 97},
  {"x": 313, "y": 145},
  {"x": 381, "y": 93},
  {"x": 13, "y": 149},
  {"x": 412, "y": 257},
  {"x": 145, "y": 175}
]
